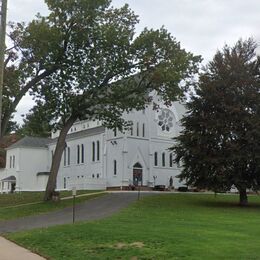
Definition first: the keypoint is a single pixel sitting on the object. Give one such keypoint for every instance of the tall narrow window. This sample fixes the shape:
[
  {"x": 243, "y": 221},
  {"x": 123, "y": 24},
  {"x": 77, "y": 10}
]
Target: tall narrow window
[
  {"x": 13, "y": 161},
  {"x": 65, "y": 156},
  {"x": 65, "y": 184},
  {"x": 115, "y": 167},
  {"x": 98, "y": 150},
  {"x": 115, "y": 132},
  {"x": 170, "y": 160},
  {"x": 78, "y": 154},
  {"x": 137, "y": 129},
  {"x": 82, "y": 153},
  {"x": 163, "y": 159},
  {"x": 68, "y": 155},
  {"x": 132, "y": 130},
  {"x": 93, "y": 151},
  {"x": 155, "y": 159},
  {"x": 143, "y": 130}
]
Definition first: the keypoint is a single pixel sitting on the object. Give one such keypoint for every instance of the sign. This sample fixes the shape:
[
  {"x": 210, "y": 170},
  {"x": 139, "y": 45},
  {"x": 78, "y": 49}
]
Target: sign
[{"x": 74, "y": 191}]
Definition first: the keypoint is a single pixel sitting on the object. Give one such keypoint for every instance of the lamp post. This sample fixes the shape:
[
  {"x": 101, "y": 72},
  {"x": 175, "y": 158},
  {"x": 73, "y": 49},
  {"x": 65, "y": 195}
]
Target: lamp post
[{"x": 3, "y": 12}]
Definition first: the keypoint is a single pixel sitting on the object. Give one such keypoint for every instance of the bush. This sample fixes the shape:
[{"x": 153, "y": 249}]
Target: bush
[{"x": 183, "y": 189}]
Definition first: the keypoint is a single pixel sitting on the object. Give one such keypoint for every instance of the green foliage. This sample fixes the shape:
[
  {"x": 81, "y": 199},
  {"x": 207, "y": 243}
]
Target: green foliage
[
  {"x": 70, "y": 57},
  {"x": 168, "y": 226},
  {"x": 219, "y": 145},
  {"x": 105, "y": 70},
  {"x": 36, "y": 123}
]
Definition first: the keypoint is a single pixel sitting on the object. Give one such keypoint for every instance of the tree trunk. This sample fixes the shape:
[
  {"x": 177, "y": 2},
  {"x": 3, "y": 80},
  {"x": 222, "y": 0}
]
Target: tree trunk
[
  {"x": 51, "y": 185},
  {"x": 243, "y": 197}
]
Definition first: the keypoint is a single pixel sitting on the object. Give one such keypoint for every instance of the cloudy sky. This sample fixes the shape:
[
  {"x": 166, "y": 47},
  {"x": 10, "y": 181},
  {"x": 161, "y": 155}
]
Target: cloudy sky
[{"x": 202, "y": 26}]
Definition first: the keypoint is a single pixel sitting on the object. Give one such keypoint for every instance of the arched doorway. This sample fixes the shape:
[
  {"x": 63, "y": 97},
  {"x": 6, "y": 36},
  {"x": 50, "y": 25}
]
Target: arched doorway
[{"x": 137, "y": 174}]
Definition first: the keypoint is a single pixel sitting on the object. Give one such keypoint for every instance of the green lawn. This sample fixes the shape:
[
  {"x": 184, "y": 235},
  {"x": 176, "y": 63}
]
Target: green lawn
[
  {"x": 30, "y": 203},
  {"x": 170, "y": 226},
  {"x": 12, "y": 199}
]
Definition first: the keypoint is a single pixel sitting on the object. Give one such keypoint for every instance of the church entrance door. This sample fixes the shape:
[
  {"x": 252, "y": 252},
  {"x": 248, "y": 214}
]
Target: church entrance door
[{"x": 137, "y": 174}]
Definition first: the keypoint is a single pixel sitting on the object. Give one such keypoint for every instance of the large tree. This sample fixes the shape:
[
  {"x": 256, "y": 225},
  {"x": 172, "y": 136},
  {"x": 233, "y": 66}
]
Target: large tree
[
  {"x": 219, "y": 146},
  {"x": 105, "y": 69},
  {"x": 35, "y": 50}
]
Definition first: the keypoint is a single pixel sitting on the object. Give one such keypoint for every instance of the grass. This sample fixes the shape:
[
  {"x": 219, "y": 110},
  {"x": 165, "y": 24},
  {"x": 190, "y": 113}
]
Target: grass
[
  {"x": 30, "y": 203},
  {"x": 170, "y": 226},
  {"x": 13, "y": 199}
]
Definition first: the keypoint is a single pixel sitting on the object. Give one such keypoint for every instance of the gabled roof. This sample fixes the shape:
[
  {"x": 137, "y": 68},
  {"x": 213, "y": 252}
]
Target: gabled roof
[
  {"x": 43, "y": 173},
  {"x": 33, "y": 142},
  {"x": 79, "y": 134},
  {"x": 9, "y": 179}
]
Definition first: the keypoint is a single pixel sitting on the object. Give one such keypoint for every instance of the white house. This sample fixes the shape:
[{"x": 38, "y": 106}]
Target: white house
[{"x": 98, "y": 158}]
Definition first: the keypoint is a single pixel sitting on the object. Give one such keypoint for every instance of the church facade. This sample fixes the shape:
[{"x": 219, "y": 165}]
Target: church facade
[{"x": 98, "y": 158}]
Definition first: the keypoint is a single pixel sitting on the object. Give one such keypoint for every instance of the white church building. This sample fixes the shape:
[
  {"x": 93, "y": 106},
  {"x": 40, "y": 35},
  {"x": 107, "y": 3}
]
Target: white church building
[{"x": 99, "y": 158}]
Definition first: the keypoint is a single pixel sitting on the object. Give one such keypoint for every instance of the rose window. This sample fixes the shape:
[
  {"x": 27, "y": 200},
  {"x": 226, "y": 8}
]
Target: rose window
[{"x": 165, "y": 120}]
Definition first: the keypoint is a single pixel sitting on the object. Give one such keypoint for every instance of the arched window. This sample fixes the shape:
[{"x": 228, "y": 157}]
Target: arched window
[
  {"x": 137, "y": 129},
  {"x": 68, "y": 155},
  {"x": 65, "y": 157},
  {"x": 78, "y": 154},
  {"x": 163, "y": 159},
  {"x": 65, "y": 183},
  {"x": 93, "y": 151},
  {"x": 143, "y": 130},
  {"x": 155, "y": 159},
  {"x": 82, "y": 153},
  {"x": 98, "y": 150},
  {"x": 170, "y": 160},
  {"x": 115, "y": 167},
  {"x": 11, "y": 158}
]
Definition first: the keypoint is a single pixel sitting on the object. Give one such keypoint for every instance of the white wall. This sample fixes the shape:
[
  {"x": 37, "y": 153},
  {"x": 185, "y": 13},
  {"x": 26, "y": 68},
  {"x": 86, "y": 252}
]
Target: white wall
[
  {"x": 129, "y": 148},
  {"x": 81, "y": 174},
  {"x": 126, "y": 148},
  {"x": 32, "y": 161}
]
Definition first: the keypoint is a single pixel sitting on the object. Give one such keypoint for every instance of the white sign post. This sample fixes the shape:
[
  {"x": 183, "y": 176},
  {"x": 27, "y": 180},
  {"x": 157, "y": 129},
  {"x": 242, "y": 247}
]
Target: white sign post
[{"x": 74, "y": 191}]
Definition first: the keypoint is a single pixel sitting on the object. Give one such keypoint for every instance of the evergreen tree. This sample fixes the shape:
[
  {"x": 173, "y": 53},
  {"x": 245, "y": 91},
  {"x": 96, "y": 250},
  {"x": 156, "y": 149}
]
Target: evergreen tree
[
  {"x": 219, "y": 146},
  {"x": 36, "y": 123}
]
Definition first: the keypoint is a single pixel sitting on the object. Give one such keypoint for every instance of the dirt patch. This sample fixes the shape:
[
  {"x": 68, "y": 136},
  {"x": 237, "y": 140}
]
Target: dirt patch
[
  {"x": 136, "y": 244},
  {"x": 120, "y": 245}
]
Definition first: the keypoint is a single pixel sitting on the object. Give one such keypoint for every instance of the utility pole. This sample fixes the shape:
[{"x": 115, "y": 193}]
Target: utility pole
[{"x": 3, "y": 11}]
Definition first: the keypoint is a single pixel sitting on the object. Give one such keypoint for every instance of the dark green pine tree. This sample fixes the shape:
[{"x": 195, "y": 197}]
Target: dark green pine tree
[
  {"x": 37, "y": 122},
  {"x": 219, "y": 146}
]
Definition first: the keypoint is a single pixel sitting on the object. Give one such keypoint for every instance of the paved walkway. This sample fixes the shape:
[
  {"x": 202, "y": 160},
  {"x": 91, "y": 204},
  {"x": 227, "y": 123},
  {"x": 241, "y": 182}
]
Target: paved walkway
[
  {"x": 11, "y": 251},
  {"x": 97, "y": 208}
]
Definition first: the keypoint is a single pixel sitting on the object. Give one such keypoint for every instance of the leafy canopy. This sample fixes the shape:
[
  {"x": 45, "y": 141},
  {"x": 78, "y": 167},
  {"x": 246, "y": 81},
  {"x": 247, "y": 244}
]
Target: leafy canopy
[
  {"x": 219, "y": 145},
  {"x": 105, "y": 69}
]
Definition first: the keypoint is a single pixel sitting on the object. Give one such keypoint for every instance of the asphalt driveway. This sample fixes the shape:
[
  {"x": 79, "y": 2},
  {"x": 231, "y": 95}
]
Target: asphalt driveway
[{"x": 93, "y": 209}]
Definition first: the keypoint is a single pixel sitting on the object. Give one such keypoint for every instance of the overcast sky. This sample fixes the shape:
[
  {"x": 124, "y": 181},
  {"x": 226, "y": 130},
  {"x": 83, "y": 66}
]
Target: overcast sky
[{"x": 201, "y": 26}]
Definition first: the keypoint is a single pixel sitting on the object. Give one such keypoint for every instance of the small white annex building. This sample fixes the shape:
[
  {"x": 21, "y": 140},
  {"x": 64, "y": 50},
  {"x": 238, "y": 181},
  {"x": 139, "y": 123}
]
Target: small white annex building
[{"x": 98, "y": 158}]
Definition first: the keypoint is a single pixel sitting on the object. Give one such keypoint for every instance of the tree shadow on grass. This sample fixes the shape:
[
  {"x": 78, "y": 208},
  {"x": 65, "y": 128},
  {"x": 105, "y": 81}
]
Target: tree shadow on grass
[{"x": 219, "y": 203}]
